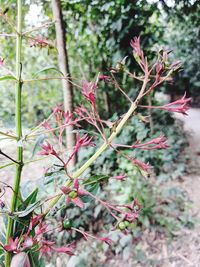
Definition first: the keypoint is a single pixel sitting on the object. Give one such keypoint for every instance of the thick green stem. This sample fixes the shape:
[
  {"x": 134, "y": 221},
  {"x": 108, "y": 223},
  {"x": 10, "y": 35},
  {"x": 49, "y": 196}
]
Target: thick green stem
[
  {"x": 105, "y": 145},
  {"x": 18, "y": 122}
]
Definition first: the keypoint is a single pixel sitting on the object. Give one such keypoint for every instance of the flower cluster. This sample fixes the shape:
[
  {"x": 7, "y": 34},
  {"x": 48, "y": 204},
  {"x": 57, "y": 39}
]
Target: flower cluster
[
  {"x": 74, "y": 193},
  {"x": 179, "y": 106},
  {"x": 37, "y": 241},
  {"x": 40, "y": 42}
]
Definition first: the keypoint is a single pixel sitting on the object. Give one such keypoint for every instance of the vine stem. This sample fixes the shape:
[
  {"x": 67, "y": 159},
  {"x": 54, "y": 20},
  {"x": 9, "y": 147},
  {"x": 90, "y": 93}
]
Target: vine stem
[
  {"x": 18, "y": 123},
  {"x": 107, "y": 143}
]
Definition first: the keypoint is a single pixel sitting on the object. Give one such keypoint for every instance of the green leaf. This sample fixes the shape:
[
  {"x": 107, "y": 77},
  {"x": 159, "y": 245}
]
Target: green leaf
[
  {"x": 28, "y": 210},
  {"x": 47, "y": 69},
  {"x": 29, "y": 200},
  {"x": 7, "y": 77},
  {"x": 38, "y": 142}
]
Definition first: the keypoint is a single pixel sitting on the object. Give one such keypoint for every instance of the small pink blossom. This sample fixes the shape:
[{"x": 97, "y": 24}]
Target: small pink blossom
[
  {"x": 89, "y": 92},
  {"x": 121, "y": 177},
  {"x": 180, "y": 105},
  {"x": 13, "y": 245},
  {"x": 42, "y": 228},
  {"x": 80, "y": 142},
  {"x": 74, "y": 194},
  {"x": 34, "y": 221},
  {"x": 104, "y": 78},
  {"x": 88, "y": 235},
  {"x": 47, "y": 149},
  {"x": 58, "y": 112},
  {"x": 46, "y": 247},
  {"x": 46, "y": 125},
  {"x": 85, "y": 140},
  {"x": 145, "y": 167},
  {"x": 67, "y": 117},
  {"x": 39, "y": 41},
  {"x": 135, "y": 43},
  {"x": 156, "y": 143},
  {"x": 138, "y": 54},
  {"x": 86, "y": 115},
  {"x": 67, "y": 250}
]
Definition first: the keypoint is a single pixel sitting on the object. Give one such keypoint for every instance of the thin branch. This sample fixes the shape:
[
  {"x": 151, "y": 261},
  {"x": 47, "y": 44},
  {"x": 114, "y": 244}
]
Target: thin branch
[
  {"x": 8, "y": 157},
  {"x": 120, "y": 89},
  {"x": 45, "y": 25},
  {"x": 7, "y": 35}
]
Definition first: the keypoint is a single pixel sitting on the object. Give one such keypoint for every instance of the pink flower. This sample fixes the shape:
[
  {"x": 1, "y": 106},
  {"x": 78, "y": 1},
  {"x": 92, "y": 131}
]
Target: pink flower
[
  {"x": 89, "y": 92},
  {"x": 145, "y": 167},
  {"x": 80, "y": 142},
  {"x": 159, "y": 69},
  {"x": 47, "y": 150},
  {"x": 86, "y": 115},
  {"x": 46, "y": 247},
  {"x": 138, "y": 53},
  {"x": 42, "y": 228},
  {"x": 68, "y": 117},
  {"x": 46, "y": 125},
  {"x": 180, "y": 105},
  {"x": 87, "y": 235},
  {"x": 39, "y": 41},
  {"x": 58, "y": 112},
  {"x": 67, "y": 250},
  {"x": 156, "y": 143},
  {"x": 104, "y": 78},
  {"x": 74, "y": 194},
  {"x": 121, "y": 177},
  {"x": 13, "y": 245},
  {"x": 135, "y": 43},
  {"x": 34, "y": 221},
  {"x": 85, "y": 140}
]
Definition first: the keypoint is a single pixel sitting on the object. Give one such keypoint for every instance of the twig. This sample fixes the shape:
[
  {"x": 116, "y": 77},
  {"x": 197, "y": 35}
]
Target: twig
[{"x": 8, "y": 157}]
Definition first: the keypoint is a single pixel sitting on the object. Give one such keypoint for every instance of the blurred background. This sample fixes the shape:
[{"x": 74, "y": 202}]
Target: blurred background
[{"x": 97, "y": 37}]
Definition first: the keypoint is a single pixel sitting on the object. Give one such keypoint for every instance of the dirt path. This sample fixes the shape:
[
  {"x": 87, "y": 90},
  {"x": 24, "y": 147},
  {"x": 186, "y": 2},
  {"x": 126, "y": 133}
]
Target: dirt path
[
  {"x": 192, "y": 181},
  {"x": 186, "y": 247}
]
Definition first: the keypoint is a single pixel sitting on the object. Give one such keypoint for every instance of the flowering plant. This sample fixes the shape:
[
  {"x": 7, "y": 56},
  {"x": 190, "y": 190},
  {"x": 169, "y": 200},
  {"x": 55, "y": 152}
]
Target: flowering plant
[{"x": 27, "y": 219}]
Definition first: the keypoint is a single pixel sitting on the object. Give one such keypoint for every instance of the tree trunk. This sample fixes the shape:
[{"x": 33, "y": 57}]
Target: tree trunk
[{"x": 64, "y": 67}]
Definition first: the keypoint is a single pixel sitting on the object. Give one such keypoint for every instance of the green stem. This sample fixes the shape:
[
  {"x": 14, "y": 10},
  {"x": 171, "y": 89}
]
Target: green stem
[
  {"x": 106, "y": 144},
  {"x": 18, "y": 122}
]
